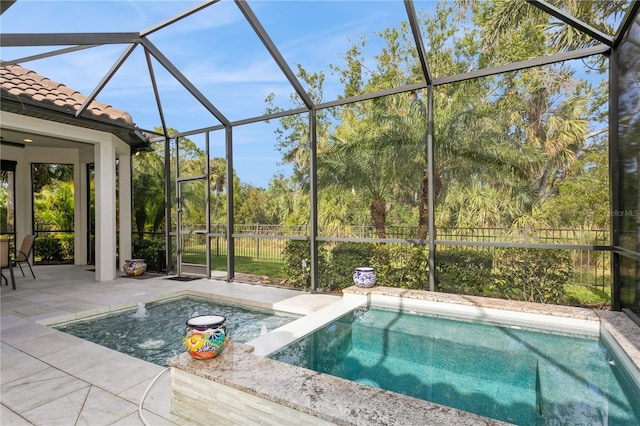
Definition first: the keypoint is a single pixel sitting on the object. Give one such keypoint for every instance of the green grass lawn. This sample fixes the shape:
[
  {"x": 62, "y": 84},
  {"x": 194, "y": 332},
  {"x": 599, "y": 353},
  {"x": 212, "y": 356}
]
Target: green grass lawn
[
  {"x": 248, "y": 265},
  {"x": 589, "y": 296},
  {"x": 244, "y": 265}
]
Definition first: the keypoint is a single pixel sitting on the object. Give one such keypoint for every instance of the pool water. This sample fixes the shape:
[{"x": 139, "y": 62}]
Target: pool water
[
  {"x": 506, "y": 373},
  {"x": 154, "y": 333}
]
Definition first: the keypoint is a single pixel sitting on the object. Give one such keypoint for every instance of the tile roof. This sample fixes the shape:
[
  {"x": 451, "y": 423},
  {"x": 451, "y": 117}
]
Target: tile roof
[{"x": 28, "y": 87}]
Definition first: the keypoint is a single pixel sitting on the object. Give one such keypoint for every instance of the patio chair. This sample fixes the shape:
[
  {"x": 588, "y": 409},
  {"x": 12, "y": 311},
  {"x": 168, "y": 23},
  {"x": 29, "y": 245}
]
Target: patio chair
[
  {"x": 23, "y": 254},
  {"x": 5, "y": 263}
]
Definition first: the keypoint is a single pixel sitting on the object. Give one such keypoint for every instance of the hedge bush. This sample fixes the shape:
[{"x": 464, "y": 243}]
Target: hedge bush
[
  {"x": 294, "y": 253},
  {"x": 344, "y": 258},
  {"x": 464, "y": 271},
  {"x": 398, "y": 266},
  {"x": 147, "y": 249},
  {"x": 536, "y": 275},
  {"x": 49, "y": 249},
  {"x": 533, "y": 275}
]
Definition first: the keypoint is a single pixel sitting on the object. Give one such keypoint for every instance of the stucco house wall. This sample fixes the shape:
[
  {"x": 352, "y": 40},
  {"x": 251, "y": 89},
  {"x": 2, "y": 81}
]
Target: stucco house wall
[{"x": 78, "y": 144}]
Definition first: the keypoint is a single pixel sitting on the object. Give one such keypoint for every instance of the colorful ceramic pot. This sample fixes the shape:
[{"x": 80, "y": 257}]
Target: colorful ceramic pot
[
  {"x": 364, "y": 277},
  {"x": 205, "y": 336},
  {"x": 134, "y": 267}
]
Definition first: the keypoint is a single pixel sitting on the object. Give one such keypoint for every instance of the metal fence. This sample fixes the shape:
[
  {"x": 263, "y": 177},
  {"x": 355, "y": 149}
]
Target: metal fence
[
  {"x": 587, "y": 248},
  {"x": 594, "y": 237},
  {"x": 528, "y": 235}
]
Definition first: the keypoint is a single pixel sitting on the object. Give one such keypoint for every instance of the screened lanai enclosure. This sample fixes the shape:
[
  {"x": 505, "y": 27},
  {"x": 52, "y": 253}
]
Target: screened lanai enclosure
[{"x": 485, "y": 148}]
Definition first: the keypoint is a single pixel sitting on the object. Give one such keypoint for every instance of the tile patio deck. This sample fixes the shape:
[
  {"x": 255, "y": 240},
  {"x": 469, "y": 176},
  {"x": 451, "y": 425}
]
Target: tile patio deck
[{"x": 50, "y": 378}]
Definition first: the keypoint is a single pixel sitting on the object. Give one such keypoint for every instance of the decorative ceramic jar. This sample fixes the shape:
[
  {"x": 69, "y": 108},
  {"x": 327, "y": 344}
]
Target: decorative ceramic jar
[
  {"x": 134, "y": 267},
  {"x": 364, "y": 277},
  {"x": 205, "y": 336}
]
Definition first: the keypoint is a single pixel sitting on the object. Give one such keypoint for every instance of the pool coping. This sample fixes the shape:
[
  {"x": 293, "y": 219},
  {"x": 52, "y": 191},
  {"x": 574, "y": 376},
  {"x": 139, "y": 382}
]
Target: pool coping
[
  {"x": 332, "y": 399},
  {"x": 289, "y": 307},
  {"x": 244, "y": 368}
]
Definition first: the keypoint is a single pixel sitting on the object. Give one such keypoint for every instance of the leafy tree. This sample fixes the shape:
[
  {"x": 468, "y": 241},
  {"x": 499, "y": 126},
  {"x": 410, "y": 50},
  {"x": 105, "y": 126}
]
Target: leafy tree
[
  {"x": 339, "y": 210},
  {"x": 582, "y": 199},
  {"x": 54, "y": 205},
  {"x": 44, "y": 174},
  {"x": 542, "y": 110},
  {"x": 218, "y": 186},
  {"x": 507, "y": 14},
  {"x": 148, "y": 184},
  {"x": 7, "y": 221},
  {"x": 551, "y": 106},
  {"x": 148, "y": 190},
  {"x": 254, "y": 206},
  {"x": 472, "y": 205},
  {"x": 293, "y": 134},
  {"x": 388, "y": 156},
  {"x": 288, "y": 202}
]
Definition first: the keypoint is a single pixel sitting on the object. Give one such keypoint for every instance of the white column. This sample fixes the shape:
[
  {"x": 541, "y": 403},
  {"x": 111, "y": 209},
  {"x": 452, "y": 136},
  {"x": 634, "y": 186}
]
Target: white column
[
  {"x": 24, "y": 199},
  {"x": 105, "y": 188},
  {"x": 125, "y": 212},
  {"x": 80, "y": 212}
]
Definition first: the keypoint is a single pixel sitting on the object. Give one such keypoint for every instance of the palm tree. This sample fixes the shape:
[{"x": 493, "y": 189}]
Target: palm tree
[
  {"x": 366, "y": 161},
  {"x": 217, "y": 185},
  {"x": 148, "y": 191},
  {"x": 54, "y": 205}
]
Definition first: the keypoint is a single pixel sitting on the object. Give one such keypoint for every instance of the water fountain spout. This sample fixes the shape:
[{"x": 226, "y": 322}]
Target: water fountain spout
[{"x": 141, "y": 311}]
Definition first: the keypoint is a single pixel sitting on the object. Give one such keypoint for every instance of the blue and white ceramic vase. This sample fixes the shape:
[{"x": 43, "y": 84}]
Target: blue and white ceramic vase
[{"x": 364, "y": 277}]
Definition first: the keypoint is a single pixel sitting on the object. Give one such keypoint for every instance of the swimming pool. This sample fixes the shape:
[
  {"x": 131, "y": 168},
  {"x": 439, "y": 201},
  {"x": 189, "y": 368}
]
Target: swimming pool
[
  {"x": 503, "y": 372},
  {"x": 153, "y": 332}
]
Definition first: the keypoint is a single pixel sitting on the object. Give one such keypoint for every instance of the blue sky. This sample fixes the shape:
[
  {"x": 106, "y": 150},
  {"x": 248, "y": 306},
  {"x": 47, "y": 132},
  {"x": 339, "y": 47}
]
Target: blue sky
[{"x": 215, "y": 48}]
